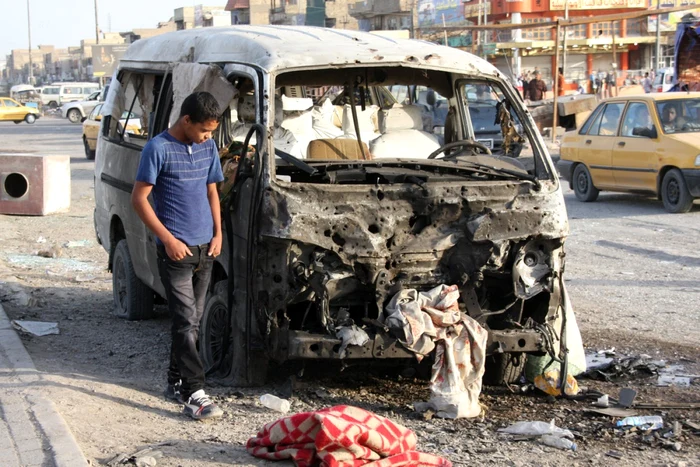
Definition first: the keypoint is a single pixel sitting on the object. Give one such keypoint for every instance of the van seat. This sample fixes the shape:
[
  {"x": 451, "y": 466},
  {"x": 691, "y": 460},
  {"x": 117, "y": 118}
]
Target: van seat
[
  {"x": 366, "y": 119},
  {"x": 403, "y": 135},
  {"x": 337, "y": 149}
]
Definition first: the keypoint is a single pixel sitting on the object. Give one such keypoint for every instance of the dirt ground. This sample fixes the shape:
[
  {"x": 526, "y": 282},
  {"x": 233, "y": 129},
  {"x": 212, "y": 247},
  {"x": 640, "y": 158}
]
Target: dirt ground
[{"x": 633, "y": 280}]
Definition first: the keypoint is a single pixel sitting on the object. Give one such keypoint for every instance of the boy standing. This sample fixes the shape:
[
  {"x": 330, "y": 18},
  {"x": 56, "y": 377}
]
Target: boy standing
[{"x": 181, "y": 168}]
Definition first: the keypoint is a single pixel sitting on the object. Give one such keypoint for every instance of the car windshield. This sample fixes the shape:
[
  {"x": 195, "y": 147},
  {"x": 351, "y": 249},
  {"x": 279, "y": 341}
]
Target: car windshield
[{"x": 679, "y": 115}]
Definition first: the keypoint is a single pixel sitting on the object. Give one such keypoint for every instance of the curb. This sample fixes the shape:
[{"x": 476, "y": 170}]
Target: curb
[{"x": 64, "y": 448}]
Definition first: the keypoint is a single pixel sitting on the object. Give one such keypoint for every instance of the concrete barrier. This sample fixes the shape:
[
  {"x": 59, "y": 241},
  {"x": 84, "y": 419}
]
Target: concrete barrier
[{"x": 34, "y": 185}]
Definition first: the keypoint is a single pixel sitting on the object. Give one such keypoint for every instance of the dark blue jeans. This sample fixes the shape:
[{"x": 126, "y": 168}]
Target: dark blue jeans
[{"x": 186, "y": 282}]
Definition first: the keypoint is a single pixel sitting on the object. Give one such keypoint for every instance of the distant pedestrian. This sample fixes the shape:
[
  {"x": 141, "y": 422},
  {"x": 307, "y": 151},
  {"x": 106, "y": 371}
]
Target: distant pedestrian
[
  {"x": 181, "y": 168},
  {"x": 526, "y": 85},
  {"x": 646, "y": 83},
  {"x": 537, "y": 87}
]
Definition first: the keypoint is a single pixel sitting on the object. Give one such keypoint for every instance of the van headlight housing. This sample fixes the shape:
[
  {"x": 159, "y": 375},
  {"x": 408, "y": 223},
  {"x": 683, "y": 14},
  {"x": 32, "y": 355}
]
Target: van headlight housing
[{"x": 697, "y": 160}]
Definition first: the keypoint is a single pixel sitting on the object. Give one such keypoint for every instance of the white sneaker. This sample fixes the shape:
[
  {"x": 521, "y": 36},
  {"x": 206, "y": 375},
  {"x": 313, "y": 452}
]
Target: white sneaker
[{"x": 200, "y": 407}]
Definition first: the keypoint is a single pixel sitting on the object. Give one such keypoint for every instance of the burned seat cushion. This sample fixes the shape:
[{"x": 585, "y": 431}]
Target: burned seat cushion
[
  {"x": 402, "y": 134},
  {"x": 339, "y": 148}
]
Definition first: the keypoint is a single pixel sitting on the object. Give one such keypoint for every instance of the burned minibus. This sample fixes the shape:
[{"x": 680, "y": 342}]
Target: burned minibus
[{"x": 342, "y": 188}]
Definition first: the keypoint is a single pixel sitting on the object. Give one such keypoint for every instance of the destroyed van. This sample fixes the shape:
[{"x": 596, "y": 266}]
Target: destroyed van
[{"x": 331, "y": 209}]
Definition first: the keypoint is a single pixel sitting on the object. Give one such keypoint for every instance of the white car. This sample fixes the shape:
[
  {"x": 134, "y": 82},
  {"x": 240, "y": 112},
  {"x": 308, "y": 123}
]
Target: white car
[{"x": 76, "y": 111}]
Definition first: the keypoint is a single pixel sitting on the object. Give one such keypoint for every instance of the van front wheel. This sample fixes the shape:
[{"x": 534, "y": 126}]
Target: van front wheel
[{"x": 133, "y": 300}]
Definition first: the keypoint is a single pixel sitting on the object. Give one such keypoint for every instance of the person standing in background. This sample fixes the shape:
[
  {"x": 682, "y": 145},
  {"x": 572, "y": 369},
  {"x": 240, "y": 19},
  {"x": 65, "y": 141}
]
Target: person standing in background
[
  {"x": 646, "y": 83},
  {"x": 537, "y": 87}
]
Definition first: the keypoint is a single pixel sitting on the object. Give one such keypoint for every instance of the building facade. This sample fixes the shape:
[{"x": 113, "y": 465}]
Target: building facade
[{"x": 332, "y": 14}]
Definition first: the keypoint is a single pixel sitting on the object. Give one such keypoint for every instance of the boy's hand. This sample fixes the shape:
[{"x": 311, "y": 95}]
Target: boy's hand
[
  {"x": 177, "y": 250},
  {"x": 215, "y": 246}
]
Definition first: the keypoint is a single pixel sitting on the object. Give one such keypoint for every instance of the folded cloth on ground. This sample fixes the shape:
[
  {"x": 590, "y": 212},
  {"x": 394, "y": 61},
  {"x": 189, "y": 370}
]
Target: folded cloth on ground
[
  {"x": 341, "y": 436},
  {"x": 423, "y": 321}
]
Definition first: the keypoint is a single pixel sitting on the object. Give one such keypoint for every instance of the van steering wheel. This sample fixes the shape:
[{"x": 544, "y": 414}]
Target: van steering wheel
[{"x": 457, "y": 144}]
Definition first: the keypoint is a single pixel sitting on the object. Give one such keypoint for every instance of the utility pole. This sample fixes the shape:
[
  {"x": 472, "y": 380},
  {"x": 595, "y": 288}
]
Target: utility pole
[
  {"x": 566, "y": 30},
  {"x": 658, "y": 36},
  {"x": 97, "y": 26},
  {"x": 29, "y": 34}
]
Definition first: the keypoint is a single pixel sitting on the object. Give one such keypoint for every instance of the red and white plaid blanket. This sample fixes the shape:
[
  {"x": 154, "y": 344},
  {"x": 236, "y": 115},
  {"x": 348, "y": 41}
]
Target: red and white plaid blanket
[{"x": 341, "y": 436}]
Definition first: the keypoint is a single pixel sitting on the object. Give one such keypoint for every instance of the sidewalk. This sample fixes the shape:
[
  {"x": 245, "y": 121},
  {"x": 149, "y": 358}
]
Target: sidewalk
[{"x": 32, "y": 433}]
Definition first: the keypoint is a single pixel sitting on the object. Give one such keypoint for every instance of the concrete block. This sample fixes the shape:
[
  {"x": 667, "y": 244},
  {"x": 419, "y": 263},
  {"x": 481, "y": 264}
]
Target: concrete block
[
  {"x": 570, "y": 105},
  {"x": 34, "y": 185}
]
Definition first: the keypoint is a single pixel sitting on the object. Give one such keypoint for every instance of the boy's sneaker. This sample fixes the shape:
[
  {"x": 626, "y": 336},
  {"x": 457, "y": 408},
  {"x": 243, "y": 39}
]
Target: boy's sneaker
[
  {"x": 172, "y": 391},
  {"x": 200, "y": 407}
]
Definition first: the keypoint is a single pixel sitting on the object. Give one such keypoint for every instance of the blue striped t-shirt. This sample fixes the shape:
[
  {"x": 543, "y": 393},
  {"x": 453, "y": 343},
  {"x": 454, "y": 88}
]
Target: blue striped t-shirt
[{"x": 180, "y": 174}]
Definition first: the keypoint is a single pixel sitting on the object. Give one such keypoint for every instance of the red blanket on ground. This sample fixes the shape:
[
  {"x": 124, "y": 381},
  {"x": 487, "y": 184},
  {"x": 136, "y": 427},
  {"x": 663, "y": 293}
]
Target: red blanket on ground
[{"x": 341, "y": 436}]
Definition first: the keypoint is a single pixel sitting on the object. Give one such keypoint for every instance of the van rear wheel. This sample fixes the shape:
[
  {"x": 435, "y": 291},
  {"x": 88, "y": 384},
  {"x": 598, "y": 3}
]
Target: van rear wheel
[
  {"x": 504, "y": 369},
  {"x": 133, "y": 300}
]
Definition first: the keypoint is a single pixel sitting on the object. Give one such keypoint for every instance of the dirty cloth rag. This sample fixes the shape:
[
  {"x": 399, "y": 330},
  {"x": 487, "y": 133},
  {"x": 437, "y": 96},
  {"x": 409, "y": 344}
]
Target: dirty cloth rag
[
  {"x": 423, "y": 321},
  {"x": 341, "y": 436}
]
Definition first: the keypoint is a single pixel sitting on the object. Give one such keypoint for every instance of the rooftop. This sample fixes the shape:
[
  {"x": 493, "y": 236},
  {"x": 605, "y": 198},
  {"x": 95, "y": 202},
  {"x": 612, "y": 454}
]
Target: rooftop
[{"x": 285, "y": 47}]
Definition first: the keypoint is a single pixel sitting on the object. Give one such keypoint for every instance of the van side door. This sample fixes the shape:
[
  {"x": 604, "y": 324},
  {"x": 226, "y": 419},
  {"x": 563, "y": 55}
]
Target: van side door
[{"x": 124, "y": 133}]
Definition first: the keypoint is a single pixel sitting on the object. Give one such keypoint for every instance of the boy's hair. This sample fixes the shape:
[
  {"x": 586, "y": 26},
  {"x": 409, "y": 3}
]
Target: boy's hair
[{"x": 200, "y": 107}]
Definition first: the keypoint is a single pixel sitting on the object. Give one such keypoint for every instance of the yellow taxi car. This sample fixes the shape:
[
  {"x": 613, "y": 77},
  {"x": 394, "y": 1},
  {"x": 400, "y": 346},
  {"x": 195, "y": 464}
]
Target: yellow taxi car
[
  {"x": 11, "y": 110},
  {"x": 640, "y": 144},
  {"x": 91, "y": 128}
]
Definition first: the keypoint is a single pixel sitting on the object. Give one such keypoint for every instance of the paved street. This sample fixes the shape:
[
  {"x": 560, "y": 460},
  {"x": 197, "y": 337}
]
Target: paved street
[{"x": 633, "y": 273}]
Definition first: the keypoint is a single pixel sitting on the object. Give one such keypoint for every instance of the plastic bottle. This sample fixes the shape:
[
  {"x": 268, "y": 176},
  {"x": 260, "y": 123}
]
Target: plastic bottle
[
  {"x": 557, "y": 442},
  {"x": 275, "y": 403},
  {"x": 654, "y": 421}
]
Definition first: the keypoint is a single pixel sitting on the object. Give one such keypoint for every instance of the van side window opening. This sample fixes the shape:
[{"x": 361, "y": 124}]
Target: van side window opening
[{"x": 138, "y": 103}]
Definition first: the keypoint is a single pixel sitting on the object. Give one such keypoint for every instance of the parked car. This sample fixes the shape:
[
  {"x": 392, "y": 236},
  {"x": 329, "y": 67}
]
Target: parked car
[
  {"x": 91, "y": 128},
  {"x": 49, "y": 95},
  {"x": 663, "y": 80},
  {"x": 71, "y": 92},
  {"x": 639, "y": 144},
  {"x": 326, "y": 238},
  {"x": 76, "y": 111},
  {"x": 11, "y": 110}
]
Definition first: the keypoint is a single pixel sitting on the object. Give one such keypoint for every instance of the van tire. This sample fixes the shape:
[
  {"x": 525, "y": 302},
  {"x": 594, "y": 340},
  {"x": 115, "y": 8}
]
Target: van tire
[
  {"x": 53, "y": 104},
  {"x": 583, "y": 185},
  {"x": 30, "y": 118},
  {"x": 211, "y": 331},
  {"x": 89, "y": 153},
  {"x": 74, "y": 115},
  {"x": 675, "y": 194},
  {"x": 504, "y": 368},
  {"x": 133, "y": 300}
]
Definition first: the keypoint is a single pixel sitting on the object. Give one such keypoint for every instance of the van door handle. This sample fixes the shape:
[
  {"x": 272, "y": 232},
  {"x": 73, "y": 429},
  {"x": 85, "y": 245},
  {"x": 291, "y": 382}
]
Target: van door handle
[
  {"x": 621, "y": 143},
  {"x": 588, "y": 141}
]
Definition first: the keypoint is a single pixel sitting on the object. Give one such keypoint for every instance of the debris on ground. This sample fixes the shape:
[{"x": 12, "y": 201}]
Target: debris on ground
[
  {"x": 144, "y": 458},
  {"x": 432, "y": 320},
  {"x": 35, "y": 328},
  {"x": 275, "y": 403},
  {"x": 77, "y": 244},
  {"x": 340, "y": 434},
  {"x": 536, "y": 429},
  {"x": 645, "y": 423},
  {"x": 43, "y": 262},
  {"x": 53, "y": 252}
]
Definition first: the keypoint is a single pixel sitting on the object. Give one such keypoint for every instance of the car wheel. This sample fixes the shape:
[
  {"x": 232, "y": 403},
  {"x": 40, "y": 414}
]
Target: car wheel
[
  {"x": 213, "y": 332},
  {"x": 503, "y": 369},
  {"x": 89, "y": 153},
  {"x": 30, "y": 118},
  {"x": 53, "y": 105},
  {"x": 225, "y": 347},
  {"x": 133, "y": 300},
  {"x": 583, "y": 185},
  {"x": 74, "y": 115},
  {"x": 674, "y": 192}
]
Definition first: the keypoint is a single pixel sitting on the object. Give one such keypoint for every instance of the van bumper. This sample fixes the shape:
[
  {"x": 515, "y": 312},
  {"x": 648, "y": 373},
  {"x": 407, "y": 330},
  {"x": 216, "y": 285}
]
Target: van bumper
[{"x": 692, "y": 181}]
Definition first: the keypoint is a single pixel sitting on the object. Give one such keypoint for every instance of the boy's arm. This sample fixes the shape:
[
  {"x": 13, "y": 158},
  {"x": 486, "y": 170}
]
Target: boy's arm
[
  {"x": 215, "y": 205},
  {"x": 175, "y": 249}
]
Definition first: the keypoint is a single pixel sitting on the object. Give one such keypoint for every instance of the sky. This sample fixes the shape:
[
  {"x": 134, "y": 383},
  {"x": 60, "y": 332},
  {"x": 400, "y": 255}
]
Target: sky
[{"x": 64, "y": 23}]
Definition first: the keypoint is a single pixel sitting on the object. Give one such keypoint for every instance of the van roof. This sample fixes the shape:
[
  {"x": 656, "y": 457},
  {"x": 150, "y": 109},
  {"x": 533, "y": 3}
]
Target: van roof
[{"x": 275, "y": 48}]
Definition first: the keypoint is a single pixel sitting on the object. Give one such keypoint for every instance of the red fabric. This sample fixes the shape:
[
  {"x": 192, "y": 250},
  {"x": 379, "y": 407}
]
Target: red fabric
[{"x": 341, "y": 436}]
